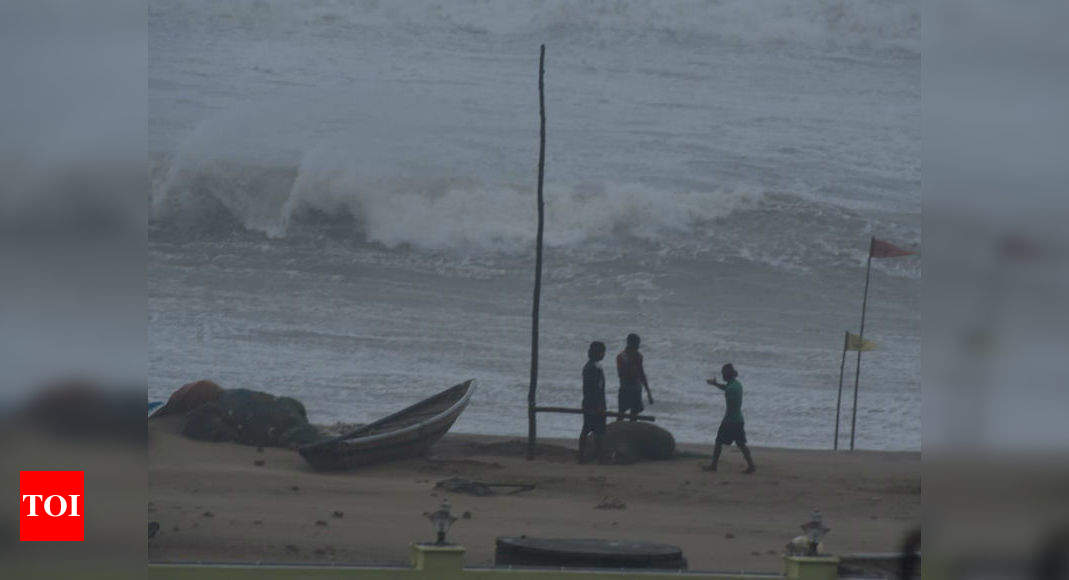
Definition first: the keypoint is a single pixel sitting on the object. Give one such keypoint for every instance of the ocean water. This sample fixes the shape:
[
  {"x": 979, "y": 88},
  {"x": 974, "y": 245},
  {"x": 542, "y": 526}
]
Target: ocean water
[{"x": 343, "y": 205}]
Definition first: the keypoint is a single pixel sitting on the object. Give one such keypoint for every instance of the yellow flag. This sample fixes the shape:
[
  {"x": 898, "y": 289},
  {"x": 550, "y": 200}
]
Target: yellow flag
[{"x": 855, "y": 342}]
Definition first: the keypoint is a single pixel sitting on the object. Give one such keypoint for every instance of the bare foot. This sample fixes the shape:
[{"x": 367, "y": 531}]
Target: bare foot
[{"x": 750, "y": 469}]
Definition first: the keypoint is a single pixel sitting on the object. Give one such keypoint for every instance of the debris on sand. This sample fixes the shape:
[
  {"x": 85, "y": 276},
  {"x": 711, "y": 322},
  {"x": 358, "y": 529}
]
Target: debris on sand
[
  {"x": 611, "y": 503},
  {"x": 251, "y": 418},
  {"x": 466, "y": 486},
  {"x": 339, "y": 428},
  {"x": 480, "y": 488},
  {"x": 338, "y": 514}
]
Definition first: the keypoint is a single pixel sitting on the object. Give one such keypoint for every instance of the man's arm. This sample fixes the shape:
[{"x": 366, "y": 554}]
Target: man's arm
[{"x": 717, "y": 384}]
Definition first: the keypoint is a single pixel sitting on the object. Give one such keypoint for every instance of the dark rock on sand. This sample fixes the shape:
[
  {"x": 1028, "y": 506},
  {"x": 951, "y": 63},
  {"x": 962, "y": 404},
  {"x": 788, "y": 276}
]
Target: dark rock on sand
[
  {"x": 465, "y": 486},
  {"x": 251, "y": 418},
  {"x": 611, "y": 503},
  {"x": 627, "y": 442}
]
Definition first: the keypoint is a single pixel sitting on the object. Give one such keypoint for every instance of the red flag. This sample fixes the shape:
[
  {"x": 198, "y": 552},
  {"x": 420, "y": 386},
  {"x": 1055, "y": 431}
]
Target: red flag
[{"x": 882, "y": 249}]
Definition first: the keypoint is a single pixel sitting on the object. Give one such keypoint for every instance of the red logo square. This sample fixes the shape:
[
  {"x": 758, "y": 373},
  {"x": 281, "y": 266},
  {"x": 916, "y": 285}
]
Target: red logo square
[{"x": 51, "y": 506}]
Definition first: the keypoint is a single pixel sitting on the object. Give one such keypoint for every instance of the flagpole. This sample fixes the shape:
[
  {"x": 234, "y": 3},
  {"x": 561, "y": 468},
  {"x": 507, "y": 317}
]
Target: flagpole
[
  {"x": 839, "y": 400},
  {"x": 860, "y": 340}
]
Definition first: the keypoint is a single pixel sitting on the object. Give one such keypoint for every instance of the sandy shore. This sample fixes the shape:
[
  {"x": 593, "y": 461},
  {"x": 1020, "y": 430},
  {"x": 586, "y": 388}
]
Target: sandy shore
[{"x": 214, "y": 503}]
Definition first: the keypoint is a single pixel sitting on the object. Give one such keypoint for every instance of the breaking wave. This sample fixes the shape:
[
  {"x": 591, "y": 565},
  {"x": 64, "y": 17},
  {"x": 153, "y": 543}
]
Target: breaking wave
[
  {"x": 443, "y": 212},
  {"x": 464, "y": 217}
]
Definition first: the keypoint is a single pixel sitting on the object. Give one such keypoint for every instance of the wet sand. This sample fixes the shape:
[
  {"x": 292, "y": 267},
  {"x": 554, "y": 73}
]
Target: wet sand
[{"x": 214, "y": 503}]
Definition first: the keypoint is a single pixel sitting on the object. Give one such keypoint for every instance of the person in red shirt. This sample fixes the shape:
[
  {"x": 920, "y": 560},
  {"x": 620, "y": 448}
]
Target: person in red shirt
[{"x": 632, "y": 379}]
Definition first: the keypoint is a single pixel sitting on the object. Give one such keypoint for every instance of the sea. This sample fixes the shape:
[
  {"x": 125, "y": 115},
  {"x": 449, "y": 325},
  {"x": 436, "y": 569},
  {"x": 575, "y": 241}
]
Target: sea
[{"x": 343, "y": 206}]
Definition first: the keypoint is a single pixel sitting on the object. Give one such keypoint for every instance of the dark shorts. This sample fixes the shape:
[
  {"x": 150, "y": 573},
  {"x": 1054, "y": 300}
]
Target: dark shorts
[
  {"x": 630, "y": 399},
  {"x": 731, "y": 432},
  {"x": 593, "y": 423}
]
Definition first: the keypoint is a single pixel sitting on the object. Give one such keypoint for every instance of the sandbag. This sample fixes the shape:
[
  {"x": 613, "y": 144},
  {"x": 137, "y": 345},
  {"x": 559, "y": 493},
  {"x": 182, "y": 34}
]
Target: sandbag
[{"x": 630, "y": 441}]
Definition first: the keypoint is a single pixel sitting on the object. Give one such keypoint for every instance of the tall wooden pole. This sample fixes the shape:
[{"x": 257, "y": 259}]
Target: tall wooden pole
[
  {"x": 531, "y": 427},
  {"x": 860, "y": 339},
  {"x": 839, "y": 400}
]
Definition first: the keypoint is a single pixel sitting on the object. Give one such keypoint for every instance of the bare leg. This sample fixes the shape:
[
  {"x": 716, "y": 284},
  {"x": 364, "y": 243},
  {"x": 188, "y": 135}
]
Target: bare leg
[
  {"x": 582, "y": 444},
  {"x": 716, "y": 456},
  {"x": 750, "y": 467}
]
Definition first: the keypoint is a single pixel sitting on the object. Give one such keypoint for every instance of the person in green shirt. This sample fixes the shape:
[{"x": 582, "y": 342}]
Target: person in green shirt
[{"x": 732, "y": 427}]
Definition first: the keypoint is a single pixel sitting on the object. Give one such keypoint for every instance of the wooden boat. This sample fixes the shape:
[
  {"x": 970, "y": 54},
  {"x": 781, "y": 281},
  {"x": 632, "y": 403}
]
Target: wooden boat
[{"x": 407, "y": 433}]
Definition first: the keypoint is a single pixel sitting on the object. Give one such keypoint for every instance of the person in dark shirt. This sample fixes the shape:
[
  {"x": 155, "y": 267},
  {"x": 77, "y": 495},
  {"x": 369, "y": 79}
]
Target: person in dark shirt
[
  {"x": 632, "y": 379},
  {"x": 732, "y": 427},
  {"x": 593, "y": 399}
]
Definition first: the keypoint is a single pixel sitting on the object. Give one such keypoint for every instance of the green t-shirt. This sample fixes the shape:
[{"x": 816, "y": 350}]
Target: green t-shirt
[{"x": 733, "y": 398}]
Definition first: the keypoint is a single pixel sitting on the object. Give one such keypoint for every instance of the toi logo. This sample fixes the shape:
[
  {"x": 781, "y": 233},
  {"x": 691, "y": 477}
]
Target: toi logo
[{"x": 51, "y": 506}]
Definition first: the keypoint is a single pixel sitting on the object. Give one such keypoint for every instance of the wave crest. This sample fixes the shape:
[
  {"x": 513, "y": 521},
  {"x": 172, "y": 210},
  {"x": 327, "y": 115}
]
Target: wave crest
[{"x": 433, "y": 212}]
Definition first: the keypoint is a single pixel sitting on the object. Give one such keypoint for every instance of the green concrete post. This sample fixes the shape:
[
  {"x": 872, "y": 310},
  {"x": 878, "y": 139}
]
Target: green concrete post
[
  {"x": 811, "y": 567},
  {"x": 438, "y": 561}
]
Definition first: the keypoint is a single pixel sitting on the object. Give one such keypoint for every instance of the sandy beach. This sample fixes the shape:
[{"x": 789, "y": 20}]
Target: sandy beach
[{"x": 224, "y": 502}]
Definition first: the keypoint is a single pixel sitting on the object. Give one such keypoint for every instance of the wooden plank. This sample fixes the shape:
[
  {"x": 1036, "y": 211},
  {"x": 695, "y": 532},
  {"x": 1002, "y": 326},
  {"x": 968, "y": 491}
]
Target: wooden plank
[{"x": 568, "y": 410}]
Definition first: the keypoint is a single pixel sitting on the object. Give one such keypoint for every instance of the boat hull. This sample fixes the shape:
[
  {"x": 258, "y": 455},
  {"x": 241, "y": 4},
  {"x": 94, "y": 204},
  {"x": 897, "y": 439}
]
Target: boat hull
[{"x": 386, "y": 444}]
